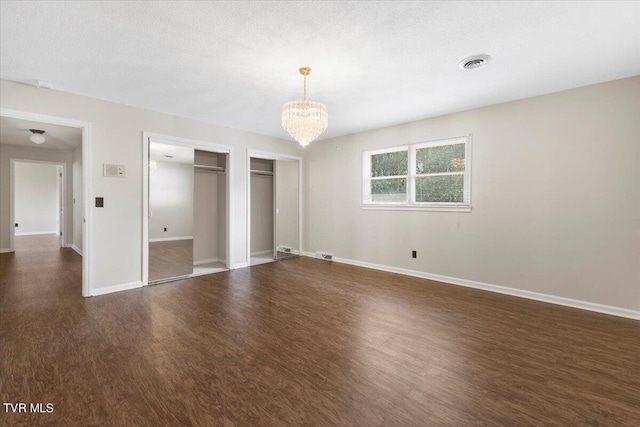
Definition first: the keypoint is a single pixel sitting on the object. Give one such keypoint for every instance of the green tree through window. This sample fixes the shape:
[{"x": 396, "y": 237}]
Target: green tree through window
[{"x": 439, "y": 175}]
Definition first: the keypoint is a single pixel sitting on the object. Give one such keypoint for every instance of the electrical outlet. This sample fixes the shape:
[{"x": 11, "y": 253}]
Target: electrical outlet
[
  {"x": 99, "y": 202},
  {"x": 165, "y": 229},
  {"x": 16, "y": 224},
  {"x": 414, "y": 254}
]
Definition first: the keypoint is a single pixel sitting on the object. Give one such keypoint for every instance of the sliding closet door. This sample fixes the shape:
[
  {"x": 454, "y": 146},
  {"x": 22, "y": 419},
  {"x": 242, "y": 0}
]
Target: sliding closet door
[
  {"x": 287, "y": 208},
  {"x": 171, "y": 184}
]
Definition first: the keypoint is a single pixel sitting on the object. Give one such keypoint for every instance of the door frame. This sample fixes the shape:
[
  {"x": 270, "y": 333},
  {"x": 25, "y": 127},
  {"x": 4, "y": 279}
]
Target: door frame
[
  {"x": 188, "y": 143},
  {"x": 61, "y": 196},
  {"x": 257, "y": 154},
  {"x": 86, "y": 183}
]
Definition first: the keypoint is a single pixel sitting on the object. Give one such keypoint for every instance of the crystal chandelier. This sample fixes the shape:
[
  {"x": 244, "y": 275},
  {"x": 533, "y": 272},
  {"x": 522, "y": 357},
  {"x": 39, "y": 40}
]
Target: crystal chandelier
[{"x": 304, "y": 120}]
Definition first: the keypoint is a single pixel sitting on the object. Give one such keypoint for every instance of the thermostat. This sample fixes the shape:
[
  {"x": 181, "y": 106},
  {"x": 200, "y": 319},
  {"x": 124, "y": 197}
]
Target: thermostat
[{"x": 113, "y": 171}]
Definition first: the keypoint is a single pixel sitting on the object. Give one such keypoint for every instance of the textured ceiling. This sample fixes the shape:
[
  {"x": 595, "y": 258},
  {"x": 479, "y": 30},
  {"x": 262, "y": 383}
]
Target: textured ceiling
[
  {"x": 374, "y": 63},
  {"x": 16, "y": 132}
]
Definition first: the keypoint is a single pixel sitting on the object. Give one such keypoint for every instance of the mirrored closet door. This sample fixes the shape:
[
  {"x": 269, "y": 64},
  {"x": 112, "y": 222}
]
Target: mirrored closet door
[
  {"x": 287, "y": 209},
  {"x": 187, "y": 212},
  {"x": 171, "y": 185}
]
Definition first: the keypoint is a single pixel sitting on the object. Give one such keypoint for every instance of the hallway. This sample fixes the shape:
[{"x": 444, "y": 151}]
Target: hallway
[{"x": 39, "y": 272}]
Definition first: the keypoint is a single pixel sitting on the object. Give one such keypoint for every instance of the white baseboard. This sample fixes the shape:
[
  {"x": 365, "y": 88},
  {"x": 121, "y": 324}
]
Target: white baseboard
[
  {"x": 116, "y": 288},
  {"x": 77, "y": 249},
  {"x": 205, "y": 261},
  {"x": 268, "y": 251},
  {"x": 34, "y": 233},
  {"x": 240, "y": 265},
  {"x": 170, "y": 239},
  {"x": 568, "y": 302},
  {"x": 5, "y": 250}
]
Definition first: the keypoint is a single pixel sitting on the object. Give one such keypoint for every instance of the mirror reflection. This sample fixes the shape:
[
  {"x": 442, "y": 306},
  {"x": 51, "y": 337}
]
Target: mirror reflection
[{"x": 171, "y": 185}]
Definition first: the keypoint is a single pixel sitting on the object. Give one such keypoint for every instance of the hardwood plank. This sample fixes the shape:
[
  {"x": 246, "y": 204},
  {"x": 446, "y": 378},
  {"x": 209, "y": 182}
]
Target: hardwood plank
[{"x": 304, "y": 342}]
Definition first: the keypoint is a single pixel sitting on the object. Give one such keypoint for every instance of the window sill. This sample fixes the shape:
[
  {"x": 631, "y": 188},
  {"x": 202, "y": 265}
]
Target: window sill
[{"x": 391, "y": 207}]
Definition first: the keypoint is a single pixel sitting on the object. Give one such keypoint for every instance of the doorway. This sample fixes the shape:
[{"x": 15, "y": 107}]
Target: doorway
[
  {"x": 38, "y": 208},
  {"x": 187, "y": 206},
  {"x": 43, "y": 161},
  {"x": 274, "y": 207}
]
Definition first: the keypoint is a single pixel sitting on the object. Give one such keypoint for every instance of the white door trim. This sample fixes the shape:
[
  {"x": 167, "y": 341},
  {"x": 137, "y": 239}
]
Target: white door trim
[{"x": 86, "y": 182}]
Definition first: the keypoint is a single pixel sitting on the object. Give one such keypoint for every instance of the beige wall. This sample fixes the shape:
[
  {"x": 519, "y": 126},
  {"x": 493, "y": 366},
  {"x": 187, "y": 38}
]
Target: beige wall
[
  {"x": 116, "y": 230},
  {"x": 205, "y": 216},
  {"x": 555, "y": 195}
]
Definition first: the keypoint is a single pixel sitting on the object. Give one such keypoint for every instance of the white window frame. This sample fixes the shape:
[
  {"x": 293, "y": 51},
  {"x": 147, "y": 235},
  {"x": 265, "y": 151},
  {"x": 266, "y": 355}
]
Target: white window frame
[
  {"x": 410, "y": 203},
  {"x": 366, "y": 195}
]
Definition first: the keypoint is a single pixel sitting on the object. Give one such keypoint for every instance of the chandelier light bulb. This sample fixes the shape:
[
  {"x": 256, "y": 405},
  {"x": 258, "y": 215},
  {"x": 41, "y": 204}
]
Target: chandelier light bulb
[{"x": 304, "y": 120}]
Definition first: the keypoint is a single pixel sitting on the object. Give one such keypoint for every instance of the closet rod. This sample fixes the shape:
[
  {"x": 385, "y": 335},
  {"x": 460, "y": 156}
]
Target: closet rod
[
  {"x": 210, "y": 168},
  {"x": 259, "y": 172}
]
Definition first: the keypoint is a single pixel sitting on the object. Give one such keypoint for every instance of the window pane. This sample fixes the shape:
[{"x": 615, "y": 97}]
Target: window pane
[
  {"x": 444, "y": 158},
  {"x": 389, "y": 190},
  {"x": 440, "y": 189},
  {"x": 389, "y": 164}
]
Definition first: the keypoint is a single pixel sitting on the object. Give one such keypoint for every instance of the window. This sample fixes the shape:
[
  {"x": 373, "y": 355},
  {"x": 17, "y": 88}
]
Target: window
[{"x": 427, "y": 175}]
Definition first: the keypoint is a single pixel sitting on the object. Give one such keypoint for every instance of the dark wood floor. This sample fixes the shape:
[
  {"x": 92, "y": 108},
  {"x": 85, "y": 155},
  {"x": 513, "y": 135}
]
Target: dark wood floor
[
  {"x": 305, "y": 342},
  {"x": 169, "y": 259}
]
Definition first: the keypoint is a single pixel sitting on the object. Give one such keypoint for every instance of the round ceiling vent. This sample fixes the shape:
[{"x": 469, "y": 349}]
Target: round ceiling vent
[{"x": 473, "y": 62}]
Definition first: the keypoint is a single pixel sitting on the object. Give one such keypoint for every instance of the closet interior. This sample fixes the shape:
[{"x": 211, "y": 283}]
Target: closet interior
[
  {"x": 274, "y": 210},
  {"x": 187, "y": 212}
]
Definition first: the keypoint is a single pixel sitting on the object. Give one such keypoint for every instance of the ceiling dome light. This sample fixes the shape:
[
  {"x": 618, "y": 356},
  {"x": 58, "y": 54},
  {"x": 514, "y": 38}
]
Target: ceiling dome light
[
  {"x": 473, "y": 62},
  {"x": 304, "y": 120},
  {"x": 36, "y": 136}
]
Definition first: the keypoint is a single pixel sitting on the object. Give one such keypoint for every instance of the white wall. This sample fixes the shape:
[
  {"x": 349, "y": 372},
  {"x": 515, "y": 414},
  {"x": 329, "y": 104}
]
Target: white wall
[
  {"x": 36, "y": 198},
  {"x": 8, "y": 152},
  {"x": 171, "y": 188},
  {"x": 116, "y": 137},
  {"x": 77, "y": 197},
  {"x": 555, "y": 194}
]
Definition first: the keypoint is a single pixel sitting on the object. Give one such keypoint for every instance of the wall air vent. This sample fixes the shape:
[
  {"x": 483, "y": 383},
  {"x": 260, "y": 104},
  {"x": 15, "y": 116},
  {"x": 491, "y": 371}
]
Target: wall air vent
[
  {"x": 41, "y": 84},
  {"x": 325, "y": 256}
]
